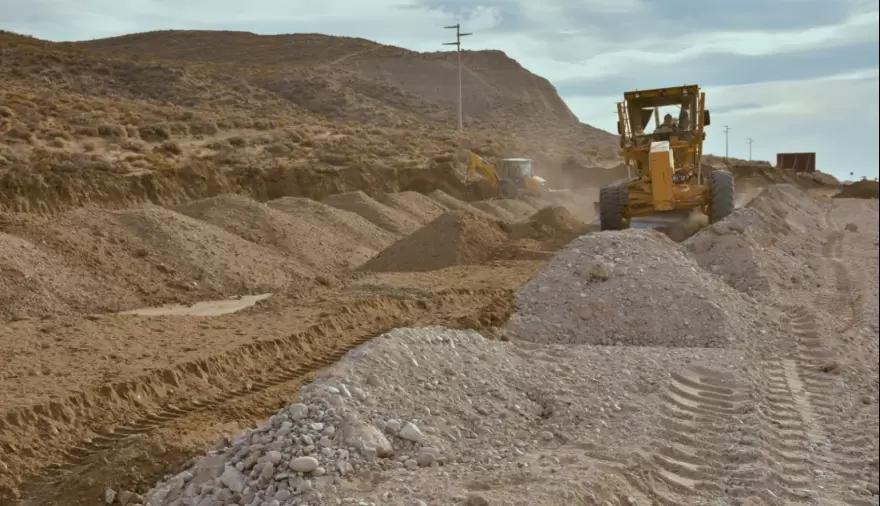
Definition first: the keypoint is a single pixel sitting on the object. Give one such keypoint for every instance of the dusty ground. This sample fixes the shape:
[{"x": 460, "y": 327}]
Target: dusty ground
[
  {"x": 783, "y": 411},
  {"x": 86, "y": 392},
  {"x": 140, "y": 173}
]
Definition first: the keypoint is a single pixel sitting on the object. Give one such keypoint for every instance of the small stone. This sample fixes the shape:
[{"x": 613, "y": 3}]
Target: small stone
[
  {"x": 109, "y": 496},
  {"x": 298, "y": 411},
  {"x": 411, "y": 432},
  {"x": 392, "y": 426},
  {"x": 425, "y": 459},
  {"x": 411, "y": 464},
  {"x": 268, "y": 471},
  {"x": 366, "y": 437},
  {"x": 233, "y": 479},
  {"x": 304, "y": 464},
  {"x": 476, "y": 500}
]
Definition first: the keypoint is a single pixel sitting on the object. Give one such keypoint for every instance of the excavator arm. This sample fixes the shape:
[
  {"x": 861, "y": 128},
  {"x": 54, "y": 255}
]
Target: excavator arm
[{"x": 479, "y": 166}]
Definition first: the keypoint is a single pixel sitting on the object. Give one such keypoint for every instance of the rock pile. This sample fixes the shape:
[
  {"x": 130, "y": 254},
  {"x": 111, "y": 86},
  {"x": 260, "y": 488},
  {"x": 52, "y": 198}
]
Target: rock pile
[{"x": 634, "y": 288}]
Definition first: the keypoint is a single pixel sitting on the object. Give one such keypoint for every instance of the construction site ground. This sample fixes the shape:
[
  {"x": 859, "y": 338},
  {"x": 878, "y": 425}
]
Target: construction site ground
[
  {"x": 93, "y": 400},
  {"x": 312, "y": 186}
]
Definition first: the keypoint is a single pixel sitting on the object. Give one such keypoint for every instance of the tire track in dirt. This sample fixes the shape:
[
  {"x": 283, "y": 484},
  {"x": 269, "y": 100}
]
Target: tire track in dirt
[
  {"x": 849, "y": 449},
  {"x": 839, "y": 450},
  {"x": 356, "y": 324},
  {"x": 697, "y": 425}
]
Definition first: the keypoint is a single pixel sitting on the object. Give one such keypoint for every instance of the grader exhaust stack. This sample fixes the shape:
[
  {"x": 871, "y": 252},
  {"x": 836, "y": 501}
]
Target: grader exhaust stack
[{"x": 667, "y": 162}]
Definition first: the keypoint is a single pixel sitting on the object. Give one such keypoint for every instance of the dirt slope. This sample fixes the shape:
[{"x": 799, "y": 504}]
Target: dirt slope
[
  {"x": 137, "y": 119},
  {"x": 860, "y": 190}
]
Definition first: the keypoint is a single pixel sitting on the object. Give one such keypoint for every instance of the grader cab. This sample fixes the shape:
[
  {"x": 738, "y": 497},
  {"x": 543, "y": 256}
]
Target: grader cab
[{"x": 667, "y": 161}]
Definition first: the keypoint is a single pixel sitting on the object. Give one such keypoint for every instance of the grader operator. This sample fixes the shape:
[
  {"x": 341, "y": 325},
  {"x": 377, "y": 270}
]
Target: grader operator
[
  {"x": 667, "y": 161},
  {"x": 512, "y": 178}
]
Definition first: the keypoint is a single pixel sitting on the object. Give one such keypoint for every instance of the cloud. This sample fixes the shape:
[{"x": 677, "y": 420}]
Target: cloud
[{"x": 795, "y": 75}]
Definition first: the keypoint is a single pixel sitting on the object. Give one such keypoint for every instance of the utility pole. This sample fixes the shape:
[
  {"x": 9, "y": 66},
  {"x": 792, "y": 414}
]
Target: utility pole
[
  {"x": 750, "y": 141},
  {"x": 457, "y": 44},
  {"x": 726, "y": 143}
]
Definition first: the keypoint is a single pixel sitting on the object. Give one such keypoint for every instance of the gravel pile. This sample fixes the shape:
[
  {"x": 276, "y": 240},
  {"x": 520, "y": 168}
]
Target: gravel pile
[
  {"x": 438, "y": 416},
  {"x": 635, "y": 288},
  {"x": 770, "y": 249}
]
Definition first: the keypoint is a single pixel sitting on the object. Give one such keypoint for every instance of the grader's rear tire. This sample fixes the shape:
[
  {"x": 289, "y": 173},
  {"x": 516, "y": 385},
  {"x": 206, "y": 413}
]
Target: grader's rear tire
[
  {"x": 722, "y": 195},
  {"x": 612, "y": 203}
]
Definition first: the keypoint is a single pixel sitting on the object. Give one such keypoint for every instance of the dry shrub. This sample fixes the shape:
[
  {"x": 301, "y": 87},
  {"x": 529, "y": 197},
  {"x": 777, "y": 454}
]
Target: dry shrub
[
  {"x": 238, "y": 141},
  {"x": 332, "y": 158},
  {"x": 277, "y": 149},
  {"x": 86, "y": 131},
  {"x": 178, "y": 129},
  {"x": 169, "y": 147},
  {"x": 217, "y": 145},
  {"x": 157, "y": 132},
  {"x": 112, "y": 130},
  {"x": 134, "y": 145},
  {"x": 203, "y": 127}
]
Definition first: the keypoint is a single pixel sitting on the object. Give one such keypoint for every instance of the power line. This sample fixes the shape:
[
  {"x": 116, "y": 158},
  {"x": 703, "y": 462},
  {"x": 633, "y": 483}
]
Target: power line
[
  {"x": 726, "y": 143},
  {"x": 750, "y": 141},
  {"x": 457, "y": 44}
]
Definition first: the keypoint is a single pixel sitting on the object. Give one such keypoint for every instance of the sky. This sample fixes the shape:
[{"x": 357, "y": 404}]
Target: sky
[{"x": 792, "y": 75}]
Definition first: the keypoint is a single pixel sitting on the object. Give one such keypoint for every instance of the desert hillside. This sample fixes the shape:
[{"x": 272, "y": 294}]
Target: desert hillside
[{"x": 168, "y": 117}]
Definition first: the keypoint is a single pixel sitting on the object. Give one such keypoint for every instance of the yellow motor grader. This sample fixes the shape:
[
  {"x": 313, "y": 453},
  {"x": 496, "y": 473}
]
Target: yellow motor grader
[
  {"x": 669, "y": 180},
  {"x": 511, "y": 178}
]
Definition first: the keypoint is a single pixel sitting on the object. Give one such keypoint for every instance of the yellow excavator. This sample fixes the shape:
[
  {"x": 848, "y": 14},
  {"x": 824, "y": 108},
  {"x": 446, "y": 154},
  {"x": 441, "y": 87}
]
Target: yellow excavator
[
  {"x": 669, "y": 180},
  {"x": 512, "y": 178}
]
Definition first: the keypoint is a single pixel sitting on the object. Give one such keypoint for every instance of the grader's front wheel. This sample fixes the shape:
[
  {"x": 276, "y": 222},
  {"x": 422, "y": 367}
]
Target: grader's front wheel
[
  {"x": 722, "y": 195},
  {"x": 612, "y": 206}
]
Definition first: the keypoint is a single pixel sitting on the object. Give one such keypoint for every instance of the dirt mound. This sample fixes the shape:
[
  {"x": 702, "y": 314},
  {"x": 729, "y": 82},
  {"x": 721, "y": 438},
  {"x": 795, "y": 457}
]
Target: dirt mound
[
  {"x": 519, "y": 209},
  {"x": 633, "y": 288},
  {"x": 310, "y": 240},
  {"x": 768, "y": 248},
  {"x": 761, "y": 173},
  {"x": 153, "y": 255},
  {"x": 453, "y": 203},
  {"x": 371, "y": 209},
  {"x": 455, "y": 238},
  {"x": 492, "y": 208},
  {"x": 34, "y": 283},
  {"x": 552, "y": 227},
  {"x": 336, "y": 221},
  {"x": 424, "y": 209},
  {"x": 860, "y": 190}
]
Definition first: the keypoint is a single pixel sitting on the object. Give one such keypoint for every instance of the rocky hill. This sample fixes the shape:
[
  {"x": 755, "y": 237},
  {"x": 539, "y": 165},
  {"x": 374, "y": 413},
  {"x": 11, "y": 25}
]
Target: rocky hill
[{"x": 170, "y": 116}]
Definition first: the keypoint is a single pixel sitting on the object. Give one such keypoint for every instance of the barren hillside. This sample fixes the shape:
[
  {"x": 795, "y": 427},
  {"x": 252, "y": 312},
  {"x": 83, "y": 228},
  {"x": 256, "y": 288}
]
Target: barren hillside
[{"x": 167, "y": 117}]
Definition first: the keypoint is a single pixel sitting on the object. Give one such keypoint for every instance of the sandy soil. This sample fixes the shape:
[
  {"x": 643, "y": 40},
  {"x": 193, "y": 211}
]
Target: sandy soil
[{"x": 783, "y": 411}]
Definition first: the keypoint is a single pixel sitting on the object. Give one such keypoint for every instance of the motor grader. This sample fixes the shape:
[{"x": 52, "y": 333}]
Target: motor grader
[
  {"x": 668, "y": 180},
  {"x": 511, "y": 178}
]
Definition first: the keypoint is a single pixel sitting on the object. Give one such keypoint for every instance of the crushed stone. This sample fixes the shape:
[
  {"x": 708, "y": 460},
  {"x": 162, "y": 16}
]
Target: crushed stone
[{"x": 633, "y": 288}]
